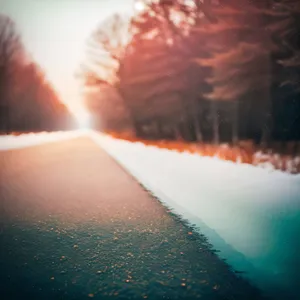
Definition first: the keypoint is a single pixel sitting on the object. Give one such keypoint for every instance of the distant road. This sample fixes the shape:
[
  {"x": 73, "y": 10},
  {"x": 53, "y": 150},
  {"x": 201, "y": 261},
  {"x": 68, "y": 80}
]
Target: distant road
[{"x": 75, "y": 225}]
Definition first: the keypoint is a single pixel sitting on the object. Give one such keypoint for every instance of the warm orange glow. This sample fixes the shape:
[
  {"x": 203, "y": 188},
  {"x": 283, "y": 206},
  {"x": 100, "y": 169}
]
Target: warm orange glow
[
  {"x": 244, "y": 153},
  {"x": 56, "y": 38},
  {"x": 224, "y": 152}
]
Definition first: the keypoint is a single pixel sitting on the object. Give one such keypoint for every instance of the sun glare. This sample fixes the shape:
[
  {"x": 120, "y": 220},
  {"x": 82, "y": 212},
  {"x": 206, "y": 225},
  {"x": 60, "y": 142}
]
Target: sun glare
[
  {"x": 82, "y": 117},
  {"x": 84, "y": 121},
  {"x": 139, "y": 6}
]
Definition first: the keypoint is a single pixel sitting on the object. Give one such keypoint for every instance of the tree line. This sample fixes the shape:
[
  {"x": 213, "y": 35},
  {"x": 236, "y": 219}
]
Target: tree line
[
  {"x": 204, "y": 71},
  {"x": 28, "y": 102}
]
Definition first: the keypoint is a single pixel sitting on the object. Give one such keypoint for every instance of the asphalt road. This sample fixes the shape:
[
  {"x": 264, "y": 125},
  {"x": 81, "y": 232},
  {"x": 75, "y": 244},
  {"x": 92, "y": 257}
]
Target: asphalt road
[{"x": 75, "y": 225}]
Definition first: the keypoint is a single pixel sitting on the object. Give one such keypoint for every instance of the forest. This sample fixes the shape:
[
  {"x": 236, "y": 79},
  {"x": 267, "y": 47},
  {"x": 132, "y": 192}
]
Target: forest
[
  {"x": 28, "y": 102},
  {"x": 206, "y": 71}
]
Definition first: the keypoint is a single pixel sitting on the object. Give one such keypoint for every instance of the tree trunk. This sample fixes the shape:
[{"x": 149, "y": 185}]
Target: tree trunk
[
  {"x": 295, "y": 149},
  {"x": 266, "y": 97},
  {"x": 4, "y": 117},
  {"x": 5, "y": 102},
  {"x": 159, "y": 128},
  {"x": 137, "y": 128},
  {"x": 235, "y": 123},
  {"x": 197, "y": 126},
  {"x": 199, "y": 136},
  {"x": 132, "y": 119},
  {"x": 177, "y": 132},
  {"x": 215, "y": 120},
  {"x": 268, "y": 124},
  {"x": 7, "y": 119}
]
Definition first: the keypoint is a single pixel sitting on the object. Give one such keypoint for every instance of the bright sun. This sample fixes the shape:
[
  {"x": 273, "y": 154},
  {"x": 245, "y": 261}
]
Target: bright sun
[
  {"x": 84, "y": 121},
  {"x": 83, "y": 118},
  {"x": 139, "y": 6}
]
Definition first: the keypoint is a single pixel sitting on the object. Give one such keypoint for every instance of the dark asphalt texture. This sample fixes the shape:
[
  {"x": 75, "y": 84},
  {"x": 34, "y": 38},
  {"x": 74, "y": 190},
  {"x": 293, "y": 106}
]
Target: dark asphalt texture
[{"x": 75, "y": 225}]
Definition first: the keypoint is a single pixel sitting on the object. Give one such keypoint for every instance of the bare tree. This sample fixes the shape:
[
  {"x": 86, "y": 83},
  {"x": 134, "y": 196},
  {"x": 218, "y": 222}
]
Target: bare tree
[
  {"x": 11, "y": 53},
  {"x": 240, "y": 60},
  {"x": 287, "y": 30},
  {"x": 147, "y": 59},
  {"x": 34, "y": 104},
  {"x": 101, "y": 71},
  {"x": 105, "y": 50},
  {"x": 162, "y": 31}
]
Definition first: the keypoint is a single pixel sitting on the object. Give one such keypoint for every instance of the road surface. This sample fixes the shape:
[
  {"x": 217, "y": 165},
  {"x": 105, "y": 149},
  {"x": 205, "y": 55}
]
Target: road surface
[{"x": 75, "y": 225}]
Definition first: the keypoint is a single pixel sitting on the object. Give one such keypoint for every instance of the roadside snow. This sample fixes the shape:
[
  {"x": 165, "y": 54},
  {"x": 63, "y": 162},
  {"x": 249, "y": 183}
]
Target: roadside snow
[
  {"x": 8, "y": 142},
  {"x": 251, "y": 215}
]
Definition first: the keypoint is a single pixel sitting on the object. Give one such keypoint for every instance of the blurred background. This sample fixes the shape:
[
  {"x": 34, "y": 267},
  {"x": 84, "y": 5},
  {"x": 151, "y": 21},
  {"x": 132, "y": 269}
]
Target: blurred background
[{"x": 188, "y": 71}]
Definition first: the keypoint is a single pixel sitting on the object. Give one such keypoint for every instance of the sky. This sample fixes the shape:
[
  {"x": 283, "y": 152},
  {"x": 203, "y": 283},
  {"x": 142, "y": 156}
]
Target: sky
[{"x": 54, "y": 33}]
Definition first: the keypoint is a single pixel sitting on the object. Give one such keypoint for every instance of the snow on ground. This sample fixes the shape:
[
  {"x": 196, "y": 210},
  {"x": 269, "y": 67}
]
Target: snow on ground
[
  {"x": 251, "y": 215},
  {"x": 272, "y": 161},
  {"x": 31, "y": 139}
]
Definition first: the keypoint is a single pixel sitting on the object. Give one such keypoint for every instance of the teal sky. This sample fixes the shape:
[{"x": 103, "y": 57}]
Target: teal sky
[{"x": 54, "y": 32}]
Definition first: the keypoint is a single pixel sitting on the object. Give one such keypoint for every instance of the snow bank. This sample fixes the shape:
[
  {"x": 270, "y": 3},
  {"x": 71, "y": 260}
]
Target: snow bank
[
  {"x": 251, "y": 215},
  {"x": 244, "y": 153},
  {"x": 31, "y": 139},
  {"x": 274, "y": 161}
]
